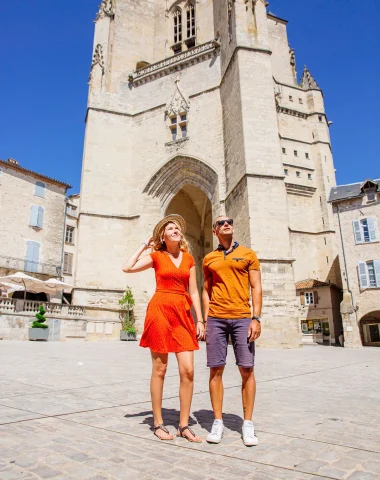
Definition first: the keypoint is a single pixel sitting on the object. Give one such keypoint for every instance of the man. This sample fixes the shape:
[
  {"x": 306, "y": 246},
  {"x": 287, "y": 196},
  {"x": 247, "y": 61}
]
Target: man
[{"x": 230, "y": 272}]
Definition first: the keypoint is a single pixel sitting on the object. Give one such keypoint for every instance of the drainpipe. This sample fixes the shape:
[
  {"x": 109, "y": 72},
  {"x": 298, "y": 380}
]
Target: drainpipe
[
  {"x": 63, "y": 238},
  {"x": 345, "y": 267}
]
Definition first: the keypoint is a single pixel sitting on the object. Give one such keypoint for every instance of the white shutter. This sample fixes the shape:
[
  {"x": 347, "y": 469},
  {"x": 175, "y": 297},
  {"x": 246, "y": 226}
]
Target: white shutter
[
  {"x": 40, "y": 189},
  {"x": 40, "y": 218},
  {"x": 373, "y": 236},
  {"x": 376, "y": 266},
  {"x": 33, "y": 222},
  {"x": 357, "y": 231},
  {"x": 363, "y": 275}
]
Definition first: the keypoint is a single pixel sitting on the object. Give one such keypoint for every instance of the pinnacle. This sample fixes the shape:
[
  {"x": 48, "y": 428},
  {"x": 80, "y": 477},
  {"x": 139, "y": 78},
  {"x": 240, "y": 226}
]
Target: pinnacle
[{"x": 307, "y": 81}]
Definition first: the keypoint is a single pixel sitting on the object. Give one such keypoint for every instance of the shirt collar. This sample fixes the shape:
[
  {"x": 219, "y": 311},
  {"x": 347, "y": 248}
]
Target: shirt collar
[{"x": 222, "y": 249}]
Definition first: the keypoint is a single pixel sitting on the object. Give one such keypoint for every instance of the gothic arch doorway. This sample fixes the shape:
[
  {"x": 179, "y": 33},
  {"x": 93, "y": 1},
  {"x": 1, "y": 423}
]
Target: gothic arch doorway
[
  {"x": 194, "y": 206},
  {"x": 189, "y": 187}
]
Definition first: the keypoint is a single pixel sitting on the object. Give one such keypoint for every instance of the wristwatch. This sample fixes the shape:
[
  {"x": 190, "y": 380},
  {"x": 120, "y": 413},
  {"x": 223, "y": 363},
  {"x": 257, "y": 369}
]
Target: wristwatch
[{"x": 256, "y": 317}]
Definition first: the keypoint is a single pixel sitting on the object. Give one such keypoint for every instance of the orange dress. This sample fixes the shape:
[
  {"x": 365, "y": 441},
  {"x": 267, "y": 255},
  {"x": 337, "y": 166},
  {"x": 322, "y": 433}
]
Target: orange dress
[{"x": 169, "y": 325}]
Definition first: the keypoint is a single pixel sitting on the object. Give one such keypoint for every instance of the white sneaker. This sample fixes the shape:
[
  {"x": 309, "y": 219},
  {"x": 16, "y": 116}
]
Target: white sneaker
[
  {"x": 216, "y": 434},
  {"x": 249, "y": 436}
]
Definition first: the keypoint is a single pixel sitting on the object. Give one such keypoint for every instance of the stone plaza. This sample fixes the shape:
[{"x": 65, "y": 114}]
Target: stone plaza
[{"x": 80, "y": 410}]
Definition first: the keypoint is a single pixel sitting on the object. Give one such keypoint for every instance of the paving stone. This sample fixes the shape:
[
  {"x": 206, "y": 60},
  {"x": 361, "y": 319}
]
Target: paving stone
[
  {"x": 363, "y": 476},
  {"x": 43, "y": 471},
  {"x": 314, "y": 430}
]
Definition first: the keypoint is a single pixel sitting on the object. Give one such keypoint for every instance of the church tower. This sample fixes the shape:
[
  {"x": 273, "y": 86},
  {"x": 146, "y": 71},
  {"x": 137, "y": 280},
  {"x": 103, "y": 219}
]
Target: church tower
[{"x": 194, "y": 108}]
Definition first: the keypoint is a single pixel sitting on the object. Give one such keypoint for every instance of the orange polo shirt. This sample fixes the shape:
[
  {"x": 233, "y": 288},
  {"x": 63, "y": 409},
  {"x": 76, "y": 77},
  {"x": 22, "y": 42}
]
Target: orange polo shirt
[{"x": 228, "y": 275}]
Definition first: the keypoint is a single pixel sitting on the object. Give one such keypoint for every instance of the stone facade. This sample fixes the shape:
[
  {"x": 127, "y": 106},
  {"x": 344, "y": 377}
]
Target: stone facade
[
  {"x": 356, "y": 210},
  {"x": 222, "y": 126},
  {"x": 32, "y": 210}
]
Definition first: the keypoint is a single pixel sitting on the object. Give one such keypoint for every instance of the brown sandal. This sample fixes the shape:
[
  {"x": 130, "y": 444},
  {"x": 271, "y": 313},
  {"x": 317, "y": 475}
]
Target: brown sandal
[
  {"x": 162, "y": 427},
  {"x": 180, "y": 434}
]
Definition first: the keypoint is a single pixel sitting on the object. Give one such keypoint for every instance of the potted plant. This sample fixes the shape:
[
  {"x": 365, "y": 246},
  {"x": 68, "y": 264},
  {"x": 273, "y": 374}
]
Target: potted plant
[
  {"x": 39, "y": 330},
  {"x": 128, "y": 330}
]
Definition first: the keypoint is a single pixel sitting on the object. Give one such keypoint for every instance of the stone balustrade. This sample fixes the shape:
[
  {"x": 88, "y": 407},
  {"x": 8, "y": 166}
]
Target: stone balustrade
[{"x": 8, "y": 305}]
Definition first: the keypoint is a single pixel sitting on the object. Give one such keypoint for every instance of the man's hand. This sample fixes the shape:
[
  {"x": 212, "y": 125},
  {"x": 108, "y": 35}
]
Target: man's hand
[{"x": 254, "y": 330}]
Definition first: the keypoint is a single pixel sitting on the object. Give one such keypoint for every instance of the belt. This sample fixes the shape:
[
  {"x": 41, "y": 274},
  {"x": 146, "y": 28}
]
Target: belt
[{"x": 177, "y": 292}]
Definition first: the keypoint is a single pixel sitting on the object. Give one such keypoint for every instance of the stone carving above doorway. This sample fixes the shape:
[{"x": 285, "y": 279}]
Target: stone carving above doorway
[{"x": 179, "y": 103}]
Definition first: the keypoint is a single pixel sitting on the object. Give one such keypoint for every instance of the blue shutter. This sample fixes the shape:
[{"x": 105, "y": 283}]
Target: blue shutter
[
  {"x": 32, "y": 258},
  {"x": 40, "y": 218},
  {"x": 40, "y": 189},
  {"x": 34, "y": 216}
]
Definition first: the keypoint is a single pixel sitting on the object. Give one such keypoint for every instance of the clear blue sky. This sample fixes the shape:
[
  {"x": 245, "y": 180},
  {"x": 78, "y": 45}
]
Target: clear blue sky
[{"x": 46, "y": 55}]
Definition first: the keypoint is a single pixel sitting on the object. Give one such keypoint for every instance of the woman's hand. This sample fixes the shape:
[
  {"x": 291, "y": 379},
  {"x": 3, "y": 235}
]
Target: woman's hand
[
  {"x": 148, "y": 243},
  {"x": 200, "y": 330}
]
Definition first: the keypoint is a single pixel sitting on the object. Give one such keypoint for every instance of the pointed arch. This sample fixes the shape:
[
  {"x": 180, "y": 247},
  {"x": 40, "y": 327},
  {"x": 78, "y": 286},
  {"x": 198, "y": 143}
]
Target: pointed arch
[{"x": 177, "y": 172}]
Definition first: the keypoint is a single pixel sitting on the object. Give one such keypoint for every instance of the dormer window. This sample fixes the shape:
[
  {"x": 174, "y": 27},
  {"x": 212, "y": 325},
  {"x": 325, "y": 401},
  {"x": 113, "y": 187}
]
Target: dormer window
[{"x": 369, "y": 188}]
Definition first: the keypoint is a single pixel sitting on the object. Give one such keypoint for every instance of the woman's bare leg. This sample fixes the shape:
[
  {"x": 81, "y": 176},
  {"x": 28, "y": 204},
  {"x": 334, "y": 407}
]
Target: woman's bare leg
[
  {"x": 159, "y": 367},
  {"x": 186, "y": 372}
]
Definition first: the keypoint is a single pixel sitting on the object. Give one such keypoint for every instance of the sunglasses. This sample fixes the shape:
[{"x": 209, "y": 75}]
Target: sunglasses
[{"x": 220, "y": 223}]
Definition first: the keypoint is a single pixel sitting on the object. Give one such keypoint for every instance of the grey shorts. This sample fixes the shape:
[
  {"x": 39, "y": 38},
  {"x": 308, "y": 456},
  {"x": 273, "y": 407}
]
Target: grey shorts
[{"x": 218, "y": 331}]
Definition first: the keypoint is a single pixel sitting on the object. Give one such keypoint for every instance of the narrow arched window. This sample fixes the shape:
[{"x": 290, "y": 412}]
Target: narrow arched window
[
  {"x": 190, "y": 20},
  {"x": 177, "y": 26}
]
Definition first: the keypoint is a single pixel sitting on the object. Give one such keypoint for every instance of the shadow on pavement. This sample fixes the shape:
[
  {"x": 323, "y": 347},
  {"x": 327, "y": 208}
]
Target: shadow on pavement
[
  {"x": 170, "y": 416},
  {"x": 205, "y": 419}
]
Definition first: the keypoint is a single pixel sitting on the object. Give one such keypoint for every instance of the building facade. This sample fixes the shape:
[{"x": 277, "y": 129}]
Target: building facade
[
  {"x": 32, "y": 212},
  {"x": 356, "y": 210},
  {"x": 195, "y": 108}
]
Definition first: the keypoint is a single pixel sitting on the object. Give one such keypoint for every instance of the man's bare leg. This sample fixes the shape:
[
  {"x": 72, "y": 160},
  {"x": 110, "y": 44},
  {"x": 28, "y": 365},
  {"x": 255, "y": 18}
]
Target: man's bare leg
[
  {"x": 248, "y": 391},
  {"x": 216, "y": 391}
]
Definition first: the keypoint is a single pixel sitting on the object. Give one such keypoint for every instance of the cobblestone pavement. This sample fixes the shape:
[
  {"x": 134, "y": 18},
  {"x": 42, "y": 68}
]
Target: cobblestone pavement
[{"x": 82, "y": 411}]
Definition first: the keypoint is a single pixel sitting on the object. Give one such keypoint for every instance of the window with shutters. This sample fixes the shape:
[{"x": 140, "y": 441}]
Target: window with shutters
[
  {"x": 365, "y": 230},
  {"x": 36, "y": 216},
  {"x": 369, "y": 274},
  {"x": 72, "y": 211},
  {"x": 69, "y": 237},
  {"x": 309, "y": 298},
  {"x": 32, "y": 257},
  {"x": 68, "y": 263},
  {"x": 40, "y": 189}
]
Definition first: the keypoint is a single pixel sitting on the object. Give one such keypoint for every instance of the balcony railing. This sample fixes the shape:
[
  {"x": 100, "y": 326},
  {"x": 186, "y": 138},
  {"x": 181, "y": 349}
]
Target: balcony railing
[
  {"x": 20, "y": 264},
  {"x": 9, "y": 305}
]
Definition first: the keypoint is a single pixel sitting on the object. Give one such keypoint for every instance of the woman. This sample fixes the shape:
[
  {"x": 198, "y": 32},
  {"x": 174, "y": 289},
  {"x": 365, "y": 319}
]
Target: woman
[{"x": 169, "y": 326}]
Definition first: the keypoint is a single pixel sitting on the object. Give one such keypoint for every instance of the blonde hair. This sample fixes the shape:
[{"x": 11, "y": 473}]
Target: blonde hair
[{"x": 159, "y": 244}]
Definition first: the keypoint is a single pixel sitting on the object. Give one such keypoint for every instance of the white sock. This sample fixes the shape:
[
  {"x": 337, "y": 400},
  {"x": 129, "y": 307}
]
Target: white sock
[
  {"x": 248, "y": 423},
  {"x": 218, "y": 421}
]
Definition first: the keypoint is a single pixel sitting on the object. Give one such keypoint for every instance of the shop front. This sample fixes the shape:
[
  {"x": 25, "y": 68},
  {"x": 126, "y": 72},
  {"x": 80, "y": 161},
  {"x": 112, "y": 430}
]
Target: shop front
[{"x": 316, "y": 331}]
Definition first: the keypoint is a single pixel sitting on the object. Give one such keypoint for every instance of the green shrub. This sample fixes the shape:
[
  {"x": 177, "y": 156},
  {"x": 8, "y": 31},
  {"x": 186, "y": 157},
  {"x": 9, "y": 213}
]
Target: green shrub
[
  {"x": 41, "y": 319},
  {"x": 127, "y": 302}
]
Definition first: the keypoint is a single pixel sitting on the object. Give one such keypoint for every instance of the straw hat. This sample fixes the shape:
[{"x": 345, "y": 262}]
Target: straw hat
[{"x": 169, "y": 218}]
